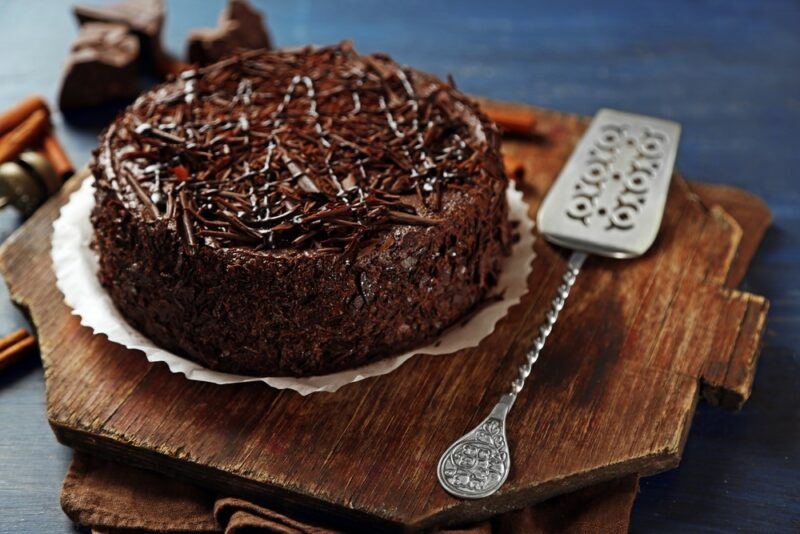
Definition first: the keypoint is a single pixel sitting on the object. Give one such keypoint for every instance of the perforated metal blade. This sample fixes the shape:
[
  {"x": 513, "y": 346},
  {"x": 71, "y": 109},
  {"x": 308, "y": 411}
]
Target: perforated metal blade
[{"x": 610, "y": 196}]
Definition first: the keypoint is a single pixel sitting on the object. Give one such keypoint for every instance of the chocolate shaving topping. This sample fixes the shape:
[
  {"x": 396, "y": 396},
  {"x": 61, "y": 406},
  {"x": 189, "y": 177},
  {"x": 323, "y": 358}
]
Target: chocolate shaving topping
[{"x": 318, "y": 148}]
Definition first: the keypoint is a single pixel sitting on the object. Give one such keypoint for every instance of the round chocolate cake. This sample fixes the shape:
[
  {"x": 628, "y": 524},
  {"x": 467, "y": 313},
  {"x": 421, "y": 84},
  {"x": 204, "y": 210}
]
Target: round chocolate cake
[{"x": 298, "y": 213}]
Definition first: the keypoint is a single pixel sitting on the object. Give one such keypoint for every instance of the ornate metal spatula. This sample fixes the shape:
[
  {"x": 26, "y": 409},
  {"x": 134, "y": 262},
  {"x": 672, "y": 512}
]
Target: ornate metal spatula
[{"x": 608, "y": 200}]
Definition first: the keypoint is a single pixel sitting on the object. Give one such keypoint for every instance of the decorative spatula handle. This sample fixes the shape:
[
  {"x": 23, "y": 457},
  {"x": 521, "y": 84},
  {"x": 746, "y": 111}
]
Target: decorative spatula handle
[
  {"x": 573, "y": 268},
  {"x": 477, "y": 464}
]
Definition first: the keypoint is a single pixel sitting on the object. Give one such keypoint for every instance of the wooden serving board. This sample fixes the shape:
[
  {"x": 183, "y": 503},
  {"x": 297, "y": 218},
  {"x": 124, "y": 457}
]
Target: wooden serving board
[{"x": 613, "y": 393}]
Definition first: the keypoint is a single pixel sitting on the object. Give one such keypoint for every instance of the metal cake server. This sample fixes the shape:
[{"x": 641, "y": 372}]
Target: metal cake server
[{"x": 608, "y": 200}]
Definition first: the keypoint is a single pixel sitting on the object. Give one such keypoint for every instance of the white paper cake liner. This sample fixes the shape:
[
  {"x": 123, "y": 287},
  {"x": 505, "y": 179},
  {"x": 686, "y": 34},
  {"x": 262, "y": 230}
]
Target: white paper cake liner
[{"x": 75, "y": 265}]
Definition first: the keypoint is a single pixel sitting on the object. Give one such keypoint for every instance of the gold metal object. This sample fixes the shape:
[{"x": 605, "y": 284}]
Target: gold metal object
[
  {"x": 42, "y": 170},
  {"x": 27, "y": 182}
]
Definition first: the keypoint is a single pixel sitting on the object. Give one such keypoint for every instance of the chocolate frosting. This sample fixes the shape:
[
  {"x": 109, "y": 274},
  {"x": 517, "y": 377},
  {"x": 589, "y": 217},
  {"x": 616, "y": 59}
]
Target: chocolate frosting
[{"x": 299, "y": 212}]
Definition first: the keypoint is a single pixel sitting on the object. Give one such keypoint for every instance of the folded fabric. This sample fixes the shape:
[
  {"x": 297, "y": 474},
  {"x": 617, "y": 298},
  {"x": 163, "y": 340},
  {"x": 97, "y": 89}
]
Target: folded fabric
[{"x": 109, "y": 497}]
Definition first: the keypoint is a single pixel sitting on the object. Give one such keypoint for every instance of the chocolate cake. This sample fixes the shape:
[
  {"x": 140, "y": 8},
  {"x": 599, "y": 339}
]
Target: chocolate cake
[{"x": 299, "y": 212}]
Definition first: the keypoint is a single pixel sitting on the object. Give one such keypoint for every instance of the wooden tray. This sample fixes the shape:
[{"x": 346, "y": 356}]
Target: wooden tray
[{"x": 613, "y": 393}]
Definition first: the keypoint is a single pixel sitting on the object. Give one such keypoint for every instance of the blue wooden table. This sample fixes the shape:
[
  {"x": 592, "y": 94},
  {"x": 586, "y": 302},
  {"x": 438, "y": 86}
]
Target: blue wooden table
[{"x": 728, "y": 71}]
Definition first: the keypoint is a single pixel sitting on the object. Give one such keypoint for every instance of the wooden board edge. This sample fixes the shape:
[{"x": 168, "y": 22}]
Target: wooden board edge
[
  {"x": 749, "y": 211},
  {"x": 734, "y": 388},
  {"x": 748, "y": 216},
  {"x": 474, "y": 511},
  {"x": 281, "y": 500},
  {"x": 298, "y": 504}
]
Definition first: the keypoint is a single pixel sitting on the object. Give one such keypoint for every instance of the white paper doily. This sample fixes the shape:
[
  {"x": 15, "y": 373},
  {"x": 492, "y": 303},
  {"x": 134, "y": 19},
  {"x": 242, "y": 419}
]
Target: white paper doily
[{"x": 75, "y": 266}]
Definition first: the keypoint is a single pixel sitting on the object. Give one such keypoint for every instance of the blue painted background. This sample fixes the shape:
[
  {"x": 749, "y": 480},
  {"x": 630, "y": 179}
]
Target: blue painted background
[{"x": 729, "y": 71}]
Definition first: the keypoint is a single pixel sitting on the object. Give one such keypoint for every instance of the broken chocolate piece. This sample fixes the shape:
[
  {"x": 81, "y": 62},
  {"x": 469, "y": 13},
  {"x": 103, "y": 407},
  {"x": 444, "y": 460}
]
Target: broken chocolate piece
[
  {"x": 145, "y": 18},
  {"x": 252, "y": 31},
  {"x": 240, "y": 27},
  {"x": 101, "y": 67}
]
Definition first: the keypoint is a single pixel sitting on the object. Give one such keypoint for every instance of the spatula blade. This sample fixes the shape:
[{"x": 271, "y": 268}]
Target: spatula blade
[{"x": 610, "y": 195}]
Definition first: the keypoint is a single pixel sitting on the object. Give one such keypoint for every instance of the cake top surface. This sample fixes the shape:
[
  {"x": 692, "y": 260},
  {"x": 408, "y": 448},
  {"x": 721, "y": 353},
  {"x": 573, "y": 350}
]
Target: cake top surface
[{"x": 313, "y": 148}]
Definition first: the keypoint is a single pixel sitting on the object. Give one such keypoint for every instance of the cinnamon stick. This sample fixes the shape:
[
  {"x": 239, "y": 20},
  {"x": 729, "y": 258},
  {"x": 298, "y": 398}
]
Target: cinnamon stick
[
  {"x": 58, "y": 158},
  {"x": 514, "y": 122},
  {"x": 13, "y": 117},
  {"x": 13, "y": 338},
  {"x": 15, "y": 346},
  {"x": 24, "y": 135},
  {"x": 514, "y": 167}
]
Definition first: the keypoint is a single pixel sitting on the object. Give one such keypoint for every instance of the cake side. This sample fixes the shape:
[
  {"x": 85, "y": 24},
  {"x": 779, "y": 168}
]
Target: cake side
[{"x": 247, "y": 292}]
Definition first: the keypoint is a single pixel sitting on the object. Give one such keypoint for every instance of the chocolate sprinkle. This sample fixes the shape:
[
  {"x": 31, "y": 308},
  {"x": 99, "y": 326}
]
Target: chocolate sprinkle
[{"x": 318, "y": 148}]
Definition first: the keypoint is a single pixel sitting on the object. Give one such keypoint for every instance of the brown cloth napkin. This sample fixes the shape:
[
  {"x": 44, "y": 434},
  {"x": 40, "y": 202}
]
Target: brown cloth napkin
[{"x": 111, "y": 497}]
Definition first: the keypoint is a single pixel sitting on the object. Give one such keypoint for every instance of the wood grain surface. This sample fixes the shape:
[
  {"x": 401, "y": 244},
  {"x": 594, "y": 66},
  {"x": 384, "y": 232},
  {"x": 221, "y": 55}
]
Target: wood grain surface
[{"x": 613, "y": 393}]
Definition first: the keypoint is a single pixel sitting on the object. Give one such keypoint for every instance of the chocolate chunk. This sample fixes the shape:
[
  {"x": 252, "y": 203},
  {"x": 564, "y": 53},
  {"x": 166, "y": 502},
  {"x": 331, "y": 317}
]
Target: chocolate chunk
[
  {"x": 145, "y": 18},
  {"x": 240, "y": 27},
  {"x": 252, "y": 32},
  {"x": 101, "y": 67}
]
